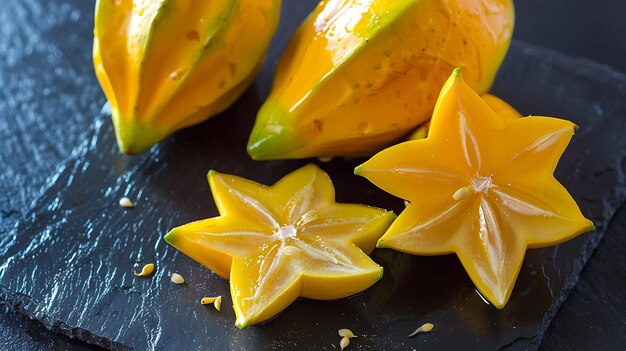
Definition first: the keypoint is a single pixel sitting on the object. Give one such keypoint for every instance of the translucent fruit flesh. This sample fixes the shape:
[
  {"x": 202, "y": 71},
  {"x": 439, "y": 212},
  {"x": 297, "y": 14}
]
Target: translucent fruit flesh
[
  {"x": 481, "y": 186},
  {"x": 281, "y": 242},
  {"x": 500, "y": 107}
]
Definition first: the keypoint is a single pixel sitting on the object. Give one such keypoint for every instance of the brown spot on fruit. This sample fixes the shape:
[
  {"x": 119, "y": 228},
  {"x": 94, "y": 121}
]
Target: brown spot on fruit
[
  {"x": 193, "y": 35},
  {"x": 319, "y": 125},
  {"x": 363, "y": 128}
]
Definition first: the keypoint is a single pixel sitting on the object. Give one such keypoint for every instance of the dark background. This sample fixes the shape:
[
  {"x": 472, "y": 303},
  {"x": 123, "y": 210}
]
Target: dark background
[{"x": 593, "y": 318}]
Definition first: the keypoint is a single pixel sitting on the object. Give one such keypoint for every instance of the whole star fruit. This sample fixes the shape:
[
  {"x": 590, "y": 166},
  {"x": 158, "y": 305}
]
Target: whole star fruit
[
  {"x": 480, "y": 186},
  {"x": 276, "y": 243},
  {"x": 166, "y": 65},
  {"x": 360, "y": 74}
]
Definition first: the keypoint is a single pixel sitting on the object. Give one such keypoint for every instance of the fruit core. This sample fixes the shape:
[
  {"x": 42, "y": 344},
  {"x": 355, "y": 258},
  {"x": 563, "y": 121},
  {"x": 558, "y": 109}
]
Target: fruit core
[{"x": 286, "y": 232}]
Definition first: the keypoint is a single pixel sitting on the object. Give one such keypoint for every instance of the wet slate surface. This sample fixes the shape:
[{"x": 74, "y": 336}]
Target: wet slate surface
[
  {"x": 85, "y": 246},
  {"x": 48, "y": 99},
  {"x": 46, "y": 90}
]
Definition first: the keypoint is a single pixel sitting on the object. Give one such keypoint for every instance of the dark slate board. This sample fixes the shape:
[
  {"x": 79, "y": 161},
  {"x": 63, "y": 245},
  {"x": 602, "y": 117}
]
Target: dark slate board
[
  {"x": 24, "y": 334},
  {"x": 85, "y": 245},
  {"x": 45, "y": 89},
  {"x": 594, "y": 317},
  {"x": 48, "y": 97}
]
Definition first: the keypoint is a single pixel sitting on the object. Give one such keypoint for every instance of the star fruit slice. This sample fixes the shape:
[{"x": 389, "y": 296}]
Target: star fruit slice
[
  {"x": 480, "y": 186},
  {"x": 500, "y": 107},
  {"x": 276, "y": 243}
]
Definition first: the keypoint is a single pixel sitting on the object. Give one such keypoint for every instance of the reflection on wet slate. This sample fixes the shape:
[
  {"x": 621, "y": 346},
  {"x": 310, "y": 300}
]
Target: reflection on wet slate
[{"x": 48, "y": 99}]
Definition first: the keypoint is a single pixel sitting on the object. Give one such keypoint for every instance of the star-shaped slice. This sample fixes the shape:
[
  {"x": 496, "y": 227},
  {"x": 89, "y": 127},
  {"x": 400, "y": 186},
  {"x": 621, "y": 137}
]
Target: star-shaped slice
[
  {"x": 276, "y": 243},
  {"x": 481, "y": 186}
]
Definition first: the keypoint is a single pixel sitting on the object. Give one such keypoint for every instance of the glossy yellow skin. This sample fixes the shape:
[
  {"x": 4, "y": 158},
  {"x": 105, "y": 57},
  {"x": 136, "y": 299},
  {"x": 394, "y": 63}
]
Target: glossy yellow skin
[
  {"x": 281, "y": 242},
  {"x": 481, "y": 186},
  {"x": 359, "y": 74},
  {"x": 165, "y": 65},
  {"x": 500, "y": 107}
]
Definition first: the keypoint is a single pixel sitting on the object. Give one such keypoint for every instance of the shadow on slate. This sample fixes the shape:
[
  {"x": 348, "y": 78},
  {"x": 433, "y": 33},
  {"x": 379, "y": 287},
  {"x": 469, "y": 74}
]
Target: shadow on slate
[{"x": 71, "y": 263}]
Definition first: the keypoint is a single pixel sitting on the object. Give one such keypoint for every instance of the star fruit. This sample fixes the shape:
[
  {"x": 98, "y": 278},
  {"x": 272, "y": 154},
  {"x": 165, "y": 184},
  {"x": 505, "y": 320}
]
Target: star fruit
[
  {"x": 276, "y": 243},
  {"x": 359, "y": 74},
  {"x": 480, "y": 186},
  {"x": 167, "y": 65}
]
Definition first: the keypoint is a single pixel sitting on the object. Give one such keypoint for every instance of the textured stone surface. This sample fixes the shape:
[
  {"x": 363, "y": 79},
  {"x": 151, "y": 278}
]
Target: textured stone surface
[
  {"x": 48, "y": 99},
  {"x": 86, "y": 246},
  {"x": 46, "y": 90},
  {"x": 19, "y": 333},
  {"x": 594, "y": 317}
]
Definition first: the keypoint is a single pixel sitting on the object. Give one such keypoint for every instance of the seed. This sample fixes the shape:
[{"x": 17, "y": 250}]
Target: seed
[
  {"x": 344, "y": 342},
  {"x": 218, "y": 303},
  {"x": 145, "y": 271},
  {"x": 207, "y": 300},
  {"x": 125, "y": 202},
  {"x": 461, "y": 194},
  {"x": 177, "y": 278},
  {"x": 346, "y": 333},
  {"x": 425, "y": 328}
]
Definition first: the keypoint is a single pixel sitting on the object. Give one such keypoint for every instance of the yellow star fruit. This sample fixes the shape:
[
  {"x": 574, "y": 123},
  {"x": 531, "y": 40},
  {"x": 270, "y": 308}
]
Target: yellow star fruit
[
  {"x": 359, "y": 74},
  {"x": 276, "y": 243},
  {"x": 480, "y": 186}
]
